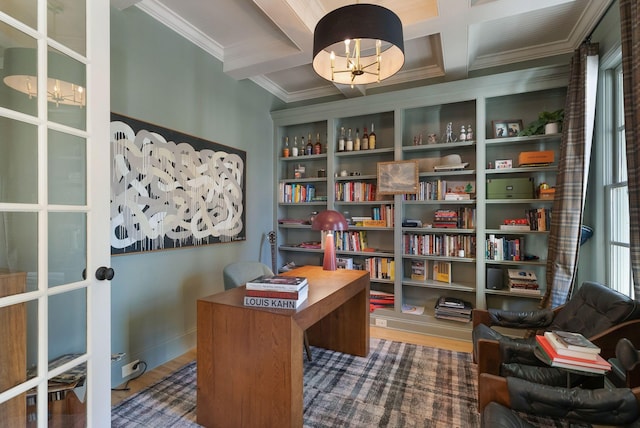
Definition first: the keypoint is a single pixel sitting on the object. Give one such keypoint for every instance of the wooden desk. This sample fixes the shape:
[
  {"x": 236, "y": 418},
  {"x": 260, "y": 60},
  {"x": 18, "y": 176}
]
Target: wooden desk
[{"x": 250, "y": 362}]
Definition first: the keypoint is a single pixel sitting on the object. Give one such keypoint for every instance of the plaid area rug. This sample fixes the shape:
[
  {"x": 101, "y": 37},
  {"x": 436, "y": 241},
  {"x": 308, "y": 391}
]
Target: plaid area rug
[{"x": 397, "y": 385}]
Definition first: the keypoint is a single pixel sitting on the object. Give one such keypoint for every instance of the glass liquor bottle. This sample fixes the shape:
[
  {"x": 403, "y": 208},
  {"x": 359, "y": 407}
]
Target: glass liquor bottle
[
  {"x": 341, "y": 140},
  {"x": 365, "y": 140},
  {"x": 356, "y": 143},
  {"x": 372, "y": 138},
  {"x": 294, "y": 149},
  {"x": 349, "y": 146},
  {"x": 317, "y": 147},
  {"x": 308, "y": 150},
  {"x": 285, "y": 150}
]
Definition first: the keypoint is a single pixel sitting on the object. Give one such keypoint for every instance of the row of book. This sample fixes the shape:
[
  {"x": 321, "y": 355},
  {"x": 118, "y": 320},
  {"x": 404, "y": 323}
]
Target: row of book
[
  {"x": 351, "y": 240},
  {"x": 441, "y": 271},
  {"x": 294, "y": 193},
  {"x": 355, "y": 191},
  {"x": 461, "y": 218},
  {"x": 539, "y": 219},
  {"x": 276, "y": 291},
  {"x": 504, "y": 248},
  {"x": 380, "y": 267},
  {"x": 535, "y": 219},
  {"x": 439, "y": 245},
  {"x": 454, "y": 309},
  {"x": 382, "y": 216},
  {"x": 440, "y": 190},
  {"x": 571, "y": 351}
]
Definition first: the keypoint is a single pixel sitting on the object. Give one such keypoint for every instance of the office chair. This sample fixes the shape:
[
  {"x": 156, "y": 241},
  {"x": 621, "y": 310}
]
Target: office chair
[{"x": 238, "y": 273}]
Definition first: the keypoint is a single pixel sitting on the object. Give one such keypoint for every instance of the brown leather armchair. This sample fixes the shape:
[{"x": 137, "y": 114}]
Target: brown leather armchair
[{"x": 601, "y": 314}]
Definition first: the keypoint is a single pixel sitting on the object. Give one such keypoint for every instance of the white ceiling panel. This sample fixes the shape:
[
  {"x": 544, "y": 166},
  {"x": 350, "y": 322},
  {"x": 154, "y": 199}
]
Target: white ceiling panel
[{"x": 271, "y": 41}]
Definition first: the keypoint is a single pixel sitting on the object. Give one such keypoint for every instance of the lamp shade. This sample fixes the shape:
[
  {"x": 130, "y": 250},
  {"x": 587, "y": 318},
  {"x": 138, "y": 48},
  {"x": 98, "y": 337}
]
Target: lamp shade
[
  {"x": 329, "y": 220},
  {"x": 375, "y": 47}
]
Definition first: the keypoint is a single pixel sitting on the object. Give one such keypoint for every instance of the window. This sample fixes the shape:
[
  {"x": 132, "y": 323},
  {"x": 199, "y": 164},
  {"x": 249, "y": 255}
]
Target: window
[{"x": 619, "y": 272}]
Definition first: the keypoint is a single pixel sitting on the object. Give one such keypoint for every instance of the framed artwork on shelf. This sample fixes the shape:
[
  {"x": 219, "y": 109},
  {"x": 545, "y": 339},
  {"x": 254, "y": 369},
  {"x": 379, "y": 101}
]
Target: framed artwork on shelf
[
  {"x": 506, "y": 128},
  {"x": 397, "y": 177}
]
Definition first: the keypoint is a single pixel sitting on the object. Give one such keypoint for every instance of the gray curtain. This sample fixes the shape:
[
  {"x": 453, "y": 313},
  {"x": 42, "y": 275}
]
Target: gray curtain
[
  {"x": 571, "y": 181},
  {"x": 630, "y": 32}
]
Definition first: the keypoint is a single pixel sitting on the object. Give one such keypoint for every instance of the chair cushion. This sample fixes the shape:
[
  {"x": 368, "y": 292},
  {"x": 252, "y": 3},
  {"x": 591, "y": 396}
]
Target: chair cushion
[{"x": 594, "y": 309}]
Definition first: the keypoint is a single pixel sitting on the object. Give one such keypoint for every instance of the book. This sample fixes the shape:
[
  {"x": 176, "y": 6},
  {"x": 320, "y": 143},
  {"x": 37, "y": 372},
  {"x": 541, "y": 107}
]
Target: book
[
  {"x": 418, "y": 270},
  {"x": 576, "y": 342},
  {"x": 277, "y": 283},
  {"x": 450, "y": 302},
  {"x": 561, "y": 349},
  {"x": 276, "y": 294},
  {"x": 442, "y": 272},
  {"x": 411, "y": 309},
  {"x": 344, "y": 262},
  {"x": 574, "y": 363},
  {"x": 275, "y": 303}
]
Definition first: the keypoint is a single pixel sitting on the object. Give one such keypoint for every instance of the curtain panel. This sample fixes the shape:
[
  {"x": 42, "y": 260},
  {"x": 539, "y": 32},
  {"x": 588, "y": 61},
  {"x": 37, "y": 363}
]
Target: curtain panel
[
  {"x": 571, "y": 181},
  {"x": 630, "y": 37}
]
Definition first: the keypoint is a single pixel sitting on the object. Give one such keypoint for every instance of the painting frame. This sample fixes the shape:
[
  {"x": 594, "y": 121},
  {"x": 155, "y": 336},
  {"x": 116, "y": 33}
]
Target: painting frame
[
  {"x": 172, "y": 190},
  {"x": 397, "y": 177},
  {"x": 506, "y": 128}
]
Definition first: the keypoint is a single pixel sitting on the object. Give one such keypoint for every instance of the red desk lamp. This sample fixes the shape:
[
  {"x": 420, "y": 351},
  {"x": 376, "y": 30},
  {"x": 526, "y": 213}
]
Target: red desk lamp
[{"x": 329, "y": 221}]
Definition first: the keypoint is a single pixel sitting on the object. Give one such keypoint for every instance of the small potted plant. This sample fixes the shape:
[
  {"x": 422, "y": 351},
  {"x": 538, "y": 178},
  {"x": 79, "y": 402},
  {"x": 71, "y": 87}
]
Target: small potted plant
[{"x": 548, "y": 122}]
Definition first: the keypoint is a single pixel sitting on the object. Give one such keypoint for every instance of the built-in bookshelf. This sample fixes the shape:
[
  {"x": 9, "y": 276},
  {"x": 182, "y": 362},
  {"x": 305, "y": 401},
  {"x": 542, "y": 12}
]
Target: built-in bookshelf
[{"x": 454, "y": 226}]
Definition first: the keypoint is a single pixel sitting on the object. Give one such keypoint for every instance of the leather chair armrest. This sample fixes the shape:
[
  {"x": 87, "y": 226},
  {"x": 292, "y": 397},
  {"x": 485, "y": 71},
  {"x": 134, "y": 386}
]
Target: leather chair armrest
[
  {"x": 608, "y": 339},
  {"x": 480, "y": 316},
  {"x": 489, "y": 357},
  {"x": 492, "y": 388}
]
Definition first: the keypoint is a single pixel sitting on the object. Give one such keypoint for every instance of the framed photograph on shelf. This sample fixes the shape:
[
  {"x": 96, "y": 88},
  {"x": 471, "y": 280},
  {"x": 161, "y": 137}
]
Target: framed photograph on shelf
[
  {"x": 397, "y": 177},
  {"x": 506, "y": 128}
]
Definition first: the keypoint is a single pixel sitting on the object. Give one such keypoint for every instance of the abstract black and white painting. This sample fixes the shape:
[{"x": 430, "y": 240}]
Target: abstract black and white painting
[{"x": 171, "y": 190}]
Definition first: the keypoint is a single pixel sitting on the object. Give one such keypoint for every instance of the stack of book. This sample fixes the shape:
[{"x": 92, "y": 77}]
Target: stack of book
[
  {"x": 451, "y": 308},
  {"x": 571, "y": 351},
  {"x": 381, "y": 300},
  {"x": 445, "y": 219},
  {"x": 419, "y": 270},
  {"x": 523, "y": 281},
  {"x": 276, "y": 291}
]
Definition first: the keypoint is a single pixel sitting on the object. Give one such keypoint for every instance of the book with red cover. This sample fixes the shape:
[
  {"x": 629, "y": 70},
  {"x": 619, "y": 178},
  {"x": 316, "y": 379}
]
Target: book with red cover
[
  {"x": 275, "y": 294},
  {"x": 599, "y": 364}
]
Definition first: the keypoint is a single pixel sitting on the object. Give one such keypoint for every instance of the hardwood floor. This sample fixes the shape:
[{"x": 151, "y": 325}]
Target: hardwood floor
[{"x": 166, "y": 369}]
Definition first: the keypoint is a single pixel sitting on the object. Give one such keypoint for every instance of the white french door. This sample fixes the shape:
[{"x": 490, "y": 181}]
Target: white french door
[{"x": 54, "y": 213}]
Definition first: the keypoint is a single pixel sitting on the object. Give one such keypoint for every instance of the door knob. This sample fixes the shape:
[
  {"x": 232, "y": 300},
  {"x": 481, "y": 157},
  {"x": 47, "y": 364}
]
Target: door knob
[{"x": 104, "y": 272}]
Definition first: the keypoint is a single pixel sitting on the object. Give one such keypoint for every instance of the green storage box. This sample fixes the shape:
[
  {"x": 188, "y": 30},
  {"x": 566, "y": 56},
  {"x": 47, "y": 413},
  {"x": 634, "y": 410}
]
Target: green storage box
[{"x": 510, "y": 188}]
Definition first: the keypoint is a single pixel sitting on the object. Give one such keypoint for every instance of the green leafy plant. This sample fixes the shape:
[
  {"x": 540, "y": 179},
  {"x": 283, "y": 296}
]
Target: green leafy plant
[{"x": 537, "y": 126}]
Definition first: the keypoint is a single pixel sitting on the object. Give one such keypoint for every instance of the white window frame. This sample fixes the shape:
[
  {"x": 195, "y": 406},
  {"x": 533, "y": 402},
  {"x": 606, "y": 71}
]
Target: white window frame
[{"x": 618, "y": 269}]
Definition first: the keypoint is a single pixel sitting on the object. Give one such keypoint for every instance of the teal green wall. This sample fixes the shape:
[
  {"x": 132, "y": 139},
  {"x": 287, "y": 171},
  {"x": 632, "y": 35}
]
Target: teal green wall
[{"x": 158, "y": 76}]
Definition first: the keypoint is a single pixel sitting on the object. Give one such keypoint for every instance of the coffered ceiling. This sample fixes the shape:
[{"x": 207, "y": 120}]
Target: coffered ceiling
[{"x": 271, "y": 41}]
